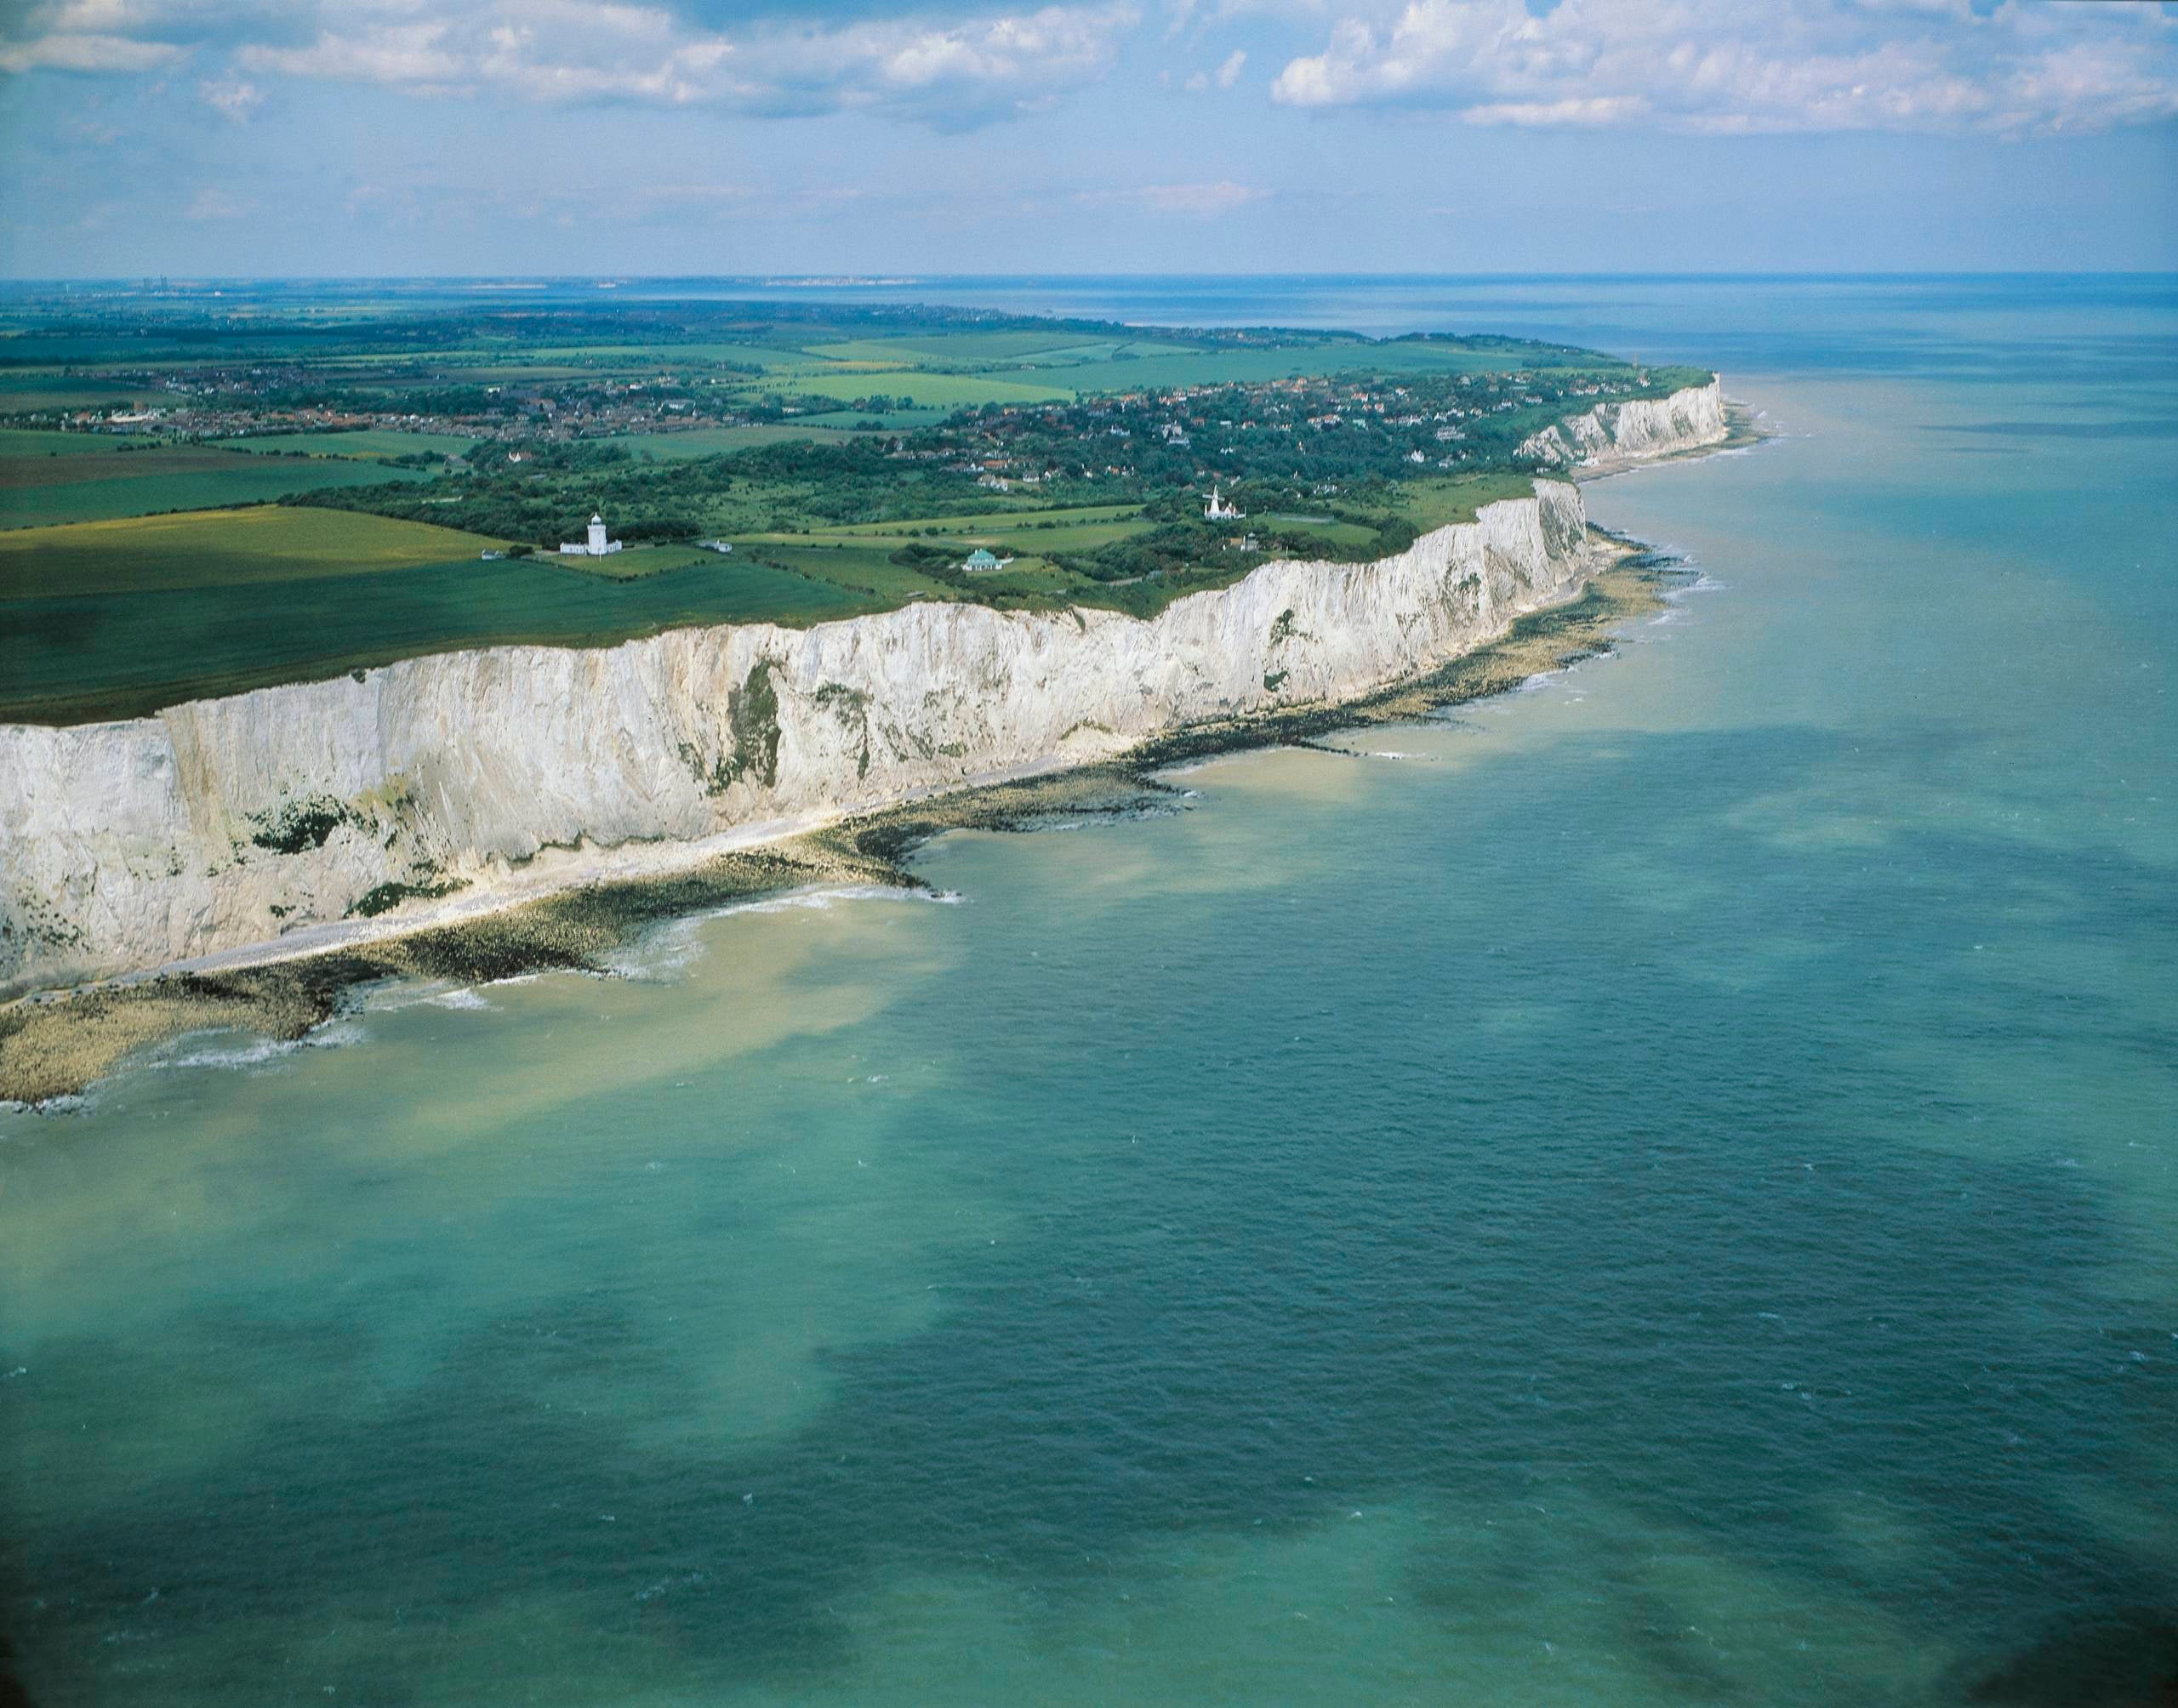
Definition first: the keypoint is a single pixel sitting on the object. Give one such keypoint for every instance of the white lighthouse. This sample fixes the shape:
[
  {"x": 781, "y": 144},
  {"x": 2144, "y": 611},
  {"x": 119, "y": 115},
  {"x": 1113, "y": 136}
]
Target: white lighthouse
[{"x": 596, "y": 545}]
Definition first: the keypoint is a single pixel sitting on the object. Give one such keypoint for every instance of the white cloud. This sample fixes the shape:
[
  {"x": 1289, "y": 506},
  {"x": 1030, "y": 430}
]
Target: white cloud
[
  {"x": 390, "y": 53},
  {"x": 948, "y": 66},
  {"x": 1229, "y": 73},
  {"x": 1727, "y": 68},
  {"x": 91, "y": 54}
]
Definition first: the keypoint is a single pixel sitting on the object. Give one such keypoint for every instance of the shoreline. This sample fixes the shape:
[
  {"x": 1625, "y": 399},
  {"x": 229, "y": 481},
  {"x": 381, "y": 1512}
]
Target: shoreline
[{"x": 54, "y": 1045}]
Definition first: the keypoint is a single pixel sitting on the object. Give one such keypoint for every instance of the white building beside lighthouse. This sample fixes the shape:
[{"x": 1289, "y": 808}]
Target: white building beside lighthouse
[{"x": 596, "y": 545}]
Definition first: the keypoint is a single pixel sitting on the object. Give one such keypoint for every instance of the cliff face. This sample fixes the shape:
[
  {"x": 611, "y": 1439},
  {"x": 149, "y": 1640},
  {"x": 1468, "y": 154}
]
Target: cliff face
[
  {"x": 1629, "y": 432},
  {"x": 225, "y": 823}
]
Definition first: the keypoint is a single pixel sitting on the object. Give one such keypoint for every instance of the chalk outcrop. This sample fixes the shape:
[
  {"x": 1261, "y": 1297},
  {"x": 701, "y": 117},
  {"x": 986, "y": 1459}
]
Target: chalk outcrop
[
  {"x": 1636, "y": 431},
  {"x": 228, "y": 822}
]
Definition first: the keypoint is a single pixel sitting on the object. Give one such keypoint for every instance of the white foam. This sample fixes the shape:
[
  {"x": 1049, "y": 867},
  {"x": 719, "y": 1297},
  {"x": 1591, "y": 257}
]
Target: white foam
[
  {"x": 670, "y": 947},
  {"x": 253, "y": 1052}
]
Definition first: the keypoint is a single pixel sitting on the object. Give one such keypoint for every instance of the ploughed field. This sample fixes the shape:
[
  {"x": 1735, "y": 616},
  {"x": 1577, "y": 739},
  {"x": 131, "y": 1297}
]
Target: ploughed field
[{"x": 198, "y": 498}]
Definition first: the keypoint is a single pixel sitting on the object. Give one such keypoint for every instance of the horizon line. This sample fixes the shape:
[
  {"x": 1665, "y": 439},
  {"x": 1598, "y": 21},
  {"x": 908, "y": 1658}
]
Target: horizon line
[{"x": 880, "y": 278}]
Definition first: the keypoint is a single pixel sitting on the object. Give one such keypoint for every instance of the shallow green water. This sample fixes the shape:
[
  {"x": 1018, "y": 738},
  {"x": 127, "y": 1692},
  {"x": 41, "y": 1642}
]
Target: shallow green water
[{"x": 1664, "y": 1193}]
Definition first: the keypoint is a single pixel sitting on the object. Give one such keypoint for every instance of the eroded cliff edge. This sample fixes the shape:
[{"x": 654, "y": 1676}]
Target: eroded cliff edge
[
  {"x": 224, "y": 824},
  {"x": 1613, "y": 434}
]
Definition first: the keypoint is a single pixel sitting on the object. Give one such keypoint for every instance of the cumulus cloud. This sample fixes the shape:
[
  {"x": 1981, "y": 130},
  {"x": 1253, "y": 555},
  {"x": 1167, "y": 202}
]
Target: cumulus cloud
[
  {"x": 1229, "y": 73},
  {"x": 1725, "y": 67},
  {"x": 951, "y": 68}
]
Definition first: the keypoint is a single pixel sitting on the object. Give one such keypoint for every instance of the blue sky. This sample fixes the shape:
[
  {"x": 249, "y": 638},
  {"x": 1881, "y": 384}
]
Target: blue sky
[{"x": 239, "y": 137}]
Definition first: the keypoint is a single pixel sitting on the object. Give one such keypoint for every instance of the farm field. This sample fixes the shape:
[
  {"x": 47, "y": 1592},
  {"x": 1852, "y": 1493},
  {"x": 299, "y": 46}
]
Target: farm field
[
  {"x": 33, "y": 390},
  {"x": 714, "y": 442},
  {"x": 230, "y": 548},
  {"x": 31, "y": 442},
  {"x": 1060, "y": 348},
  {"x": 42, "y": 491},
  {"x": 930, "y": 390},
  {"x": 85, "y": 657}
]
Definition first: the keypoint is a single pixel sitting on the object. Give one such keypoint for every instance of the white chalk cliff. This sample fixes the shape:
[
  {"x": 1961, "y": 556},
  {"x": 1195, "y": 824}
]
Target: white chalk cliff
[
  {"x": 223, "y": 823},
  {"x": 1629, "y": 432}
]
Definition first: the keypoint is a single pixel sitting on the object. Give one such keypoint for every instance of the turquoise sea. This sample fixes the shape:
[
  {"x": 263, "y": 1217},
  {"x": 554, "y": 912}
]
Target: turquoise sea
[{"x": 1659, "y": 1188}]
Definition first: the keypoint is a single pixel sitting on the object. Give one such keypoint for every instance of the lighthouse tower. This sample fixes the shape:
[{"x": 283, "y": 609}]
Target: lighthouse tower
[{"x": 595, "y": 544}]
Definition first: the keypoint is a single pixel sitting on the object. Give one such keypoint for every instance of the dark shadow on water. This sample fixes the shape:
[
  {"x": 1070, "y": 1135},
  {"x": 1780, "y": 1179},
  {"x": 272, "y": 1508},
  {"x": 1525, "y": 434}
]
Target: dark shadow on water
[{"x": 2123, "y": 1657}]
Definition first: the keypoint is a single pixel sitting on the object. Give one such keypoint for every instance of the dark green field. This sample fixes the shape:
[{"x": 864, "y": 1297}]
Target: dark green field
[
  {"x": 43, "y": 490},
  {"x": 82, "y": 659},
  {"x": 264, "y": 542}
]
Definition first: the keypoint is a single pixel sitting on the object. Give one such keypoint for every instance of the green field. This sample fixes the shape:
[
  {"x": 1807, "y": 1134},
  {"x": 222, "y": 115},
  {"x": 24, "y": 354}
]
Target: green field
[
  {"x": 369, "y": 443},
  {"x": 30, "y": 441},
  {"x": 716, "y": 441},
  {"x": 632, "y": 563},
  {"x": 1025, "y": 515},
  {"x": 218, "y": 548},
  {"x": 1434, "y": 503},
  {"x": 43, "y": 490},
  {"x": 1080, "y": 528},
  {"x": 939, "y": 390},
  {"x": 34, "y": 390},
  {"x": 1329, "y": 532},
  {"x": 1058, "y": 348},
  {"x": 139, "y": 642}
]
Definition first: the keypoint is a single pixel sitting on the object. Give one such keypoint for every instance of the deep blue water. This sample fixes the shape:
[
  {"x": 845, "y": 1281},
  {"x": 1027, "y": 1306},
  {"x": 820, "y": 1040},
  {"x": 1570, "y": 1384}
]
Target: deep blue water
[{"x": 1661, "y": 1192}]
